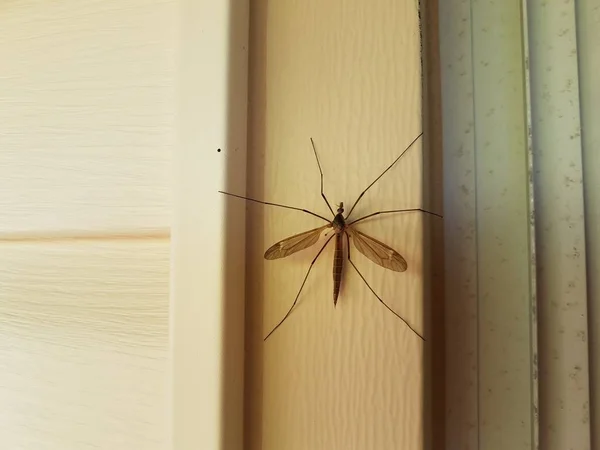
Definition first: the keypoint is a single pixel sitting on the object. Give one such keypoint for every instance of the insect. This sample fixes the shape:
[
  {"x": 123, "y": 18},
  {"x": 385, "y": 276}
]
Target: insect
[{"x": 342, "y": 227}]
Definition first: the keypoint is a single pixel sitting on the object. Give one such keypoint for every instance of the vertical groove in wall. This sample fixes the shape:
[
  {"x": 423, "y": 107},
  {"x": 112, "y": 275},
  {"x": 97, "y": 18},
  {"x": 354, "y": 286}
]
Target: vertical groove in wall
[
  {"x": 460, "y": 234},
  {"x": 434, "y": 228},
  {"x": 255, "y": 244}
]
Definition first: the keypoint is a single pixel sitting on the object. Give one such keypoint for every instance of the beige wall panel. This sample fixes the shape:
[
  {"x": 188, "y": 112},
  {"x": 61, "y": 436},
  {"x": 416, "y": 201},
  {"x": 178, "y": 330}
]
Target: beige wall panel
[
  {"x": 87, "y": 114},
  {"x": 347, "y": 74},
  {"x": 83, "y": 345}
]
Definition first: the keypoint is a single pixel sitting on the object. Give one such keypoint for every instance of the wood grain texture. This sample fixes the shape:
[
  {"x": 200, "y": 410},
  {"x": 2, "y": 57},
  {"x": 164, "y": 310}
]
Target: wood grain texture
[
  {"x": 83, "y": 345},
  {"x": 349, "y": 377},
  {"x": 87, "y": 115}
]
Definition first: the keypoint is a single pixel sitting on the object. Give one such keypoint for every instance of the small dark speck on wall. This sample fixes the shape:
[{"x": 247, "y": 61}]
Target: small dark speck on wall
[{"x": 218, "y": 150}]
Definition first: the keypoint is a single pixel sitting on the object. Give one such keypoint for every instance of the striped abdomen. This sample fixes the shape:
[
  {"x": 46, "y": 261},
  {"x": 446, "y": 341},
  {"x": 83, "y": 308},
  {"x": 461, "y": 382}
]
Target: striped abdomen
[{"x": 338, "y": 263}]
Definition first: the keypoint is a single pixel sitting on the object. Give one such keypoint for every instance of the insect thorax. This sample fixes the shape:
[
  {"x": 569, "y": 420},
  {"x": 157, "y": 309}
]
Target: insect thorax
[{"x": 339, "y": 224}]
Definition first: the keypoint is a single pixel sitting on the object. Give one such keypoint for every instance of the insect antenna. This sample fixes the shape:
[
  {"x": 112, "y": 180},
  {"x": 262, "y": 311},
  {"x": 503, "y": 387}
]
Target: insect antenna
[
  {"x": 276, "y": 204},
  {"x": 301, "y": 287},
  {"x": 382, "y": 174},
  {"x": 375, "y": 294},
  {"x": 321, "y": 172}
]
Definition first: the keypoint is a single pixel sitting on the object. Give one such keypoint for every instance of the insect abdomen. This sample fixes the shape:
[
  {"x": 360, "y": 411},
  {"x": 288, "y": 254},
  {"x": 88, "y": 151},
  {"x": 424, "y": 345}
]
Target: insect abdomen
[{"x": 338, "y": 262}]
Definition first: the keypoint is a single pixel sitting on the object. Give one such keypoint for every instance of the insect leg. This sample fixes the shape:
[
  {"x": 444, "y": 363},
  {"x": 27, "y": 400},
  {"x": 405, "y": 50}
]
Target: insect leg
[
  {"x": 382, "y": 174},
  {"x": 301, "y": 287},
  {"x": 321, "y": 172},
  {"x": 375, "y": 294},
  {"x": 275, "y": 204},
  {"x": 395, "y": 211}
]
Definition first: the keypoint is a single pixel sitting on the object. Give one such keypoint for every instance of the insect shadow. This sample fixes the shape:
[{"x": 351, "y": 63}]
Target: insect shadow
[{"x": 378, "y": 252}]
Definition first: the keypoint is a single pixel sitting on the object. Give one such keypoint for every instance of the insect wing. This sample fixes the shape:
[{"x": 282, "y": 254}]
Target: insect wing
[
  {"x": 377, "y": 251},
  {"x": 295, "y": 243}
]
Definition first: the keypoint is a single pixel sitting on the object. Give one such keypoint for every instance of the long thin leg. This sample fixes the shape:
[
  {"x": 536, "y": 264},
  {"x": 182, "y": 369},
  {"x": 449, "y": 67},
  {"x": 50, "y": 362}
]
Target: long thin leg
[
  {"x": 321, "y": 171},
  {"x": 375, "y": 294},
  {"x": 277, "y": 204},
  {"x": 301, "y": 287},
  {"x": 395, "y": 211},
  {"x": 382, "y": 174}
]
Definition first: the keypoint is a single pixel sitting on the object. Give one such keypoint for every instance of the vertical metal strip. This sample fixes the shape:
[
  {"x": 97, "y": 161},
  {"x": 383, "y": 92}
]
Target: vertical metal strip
[
  {"x": 503, "y": 226},
  {"x": 588, "y": 52},
  {"x": 560, "y": 232},
  {"x": 535, "y": 438}
]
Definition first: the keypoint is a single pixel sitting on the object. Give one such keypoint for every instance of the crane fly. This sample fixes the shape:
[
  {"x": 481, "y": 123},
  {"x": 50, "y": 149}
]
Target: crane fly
[{"x": 378, "y": 252}]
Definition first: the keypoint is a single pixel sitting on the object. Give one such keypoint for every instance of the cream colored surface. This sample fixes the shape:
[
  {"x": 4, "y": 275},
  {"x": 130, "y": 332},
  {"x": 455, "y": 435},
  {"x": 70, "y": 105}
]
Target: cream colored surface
[
  {"x": 348, "y": 75},
  {"x": 207, "y": 297},
  {"x": 86, "y": 106},
  {"x": 86, "y": 116},
  {"x": 84, "y": 344}
]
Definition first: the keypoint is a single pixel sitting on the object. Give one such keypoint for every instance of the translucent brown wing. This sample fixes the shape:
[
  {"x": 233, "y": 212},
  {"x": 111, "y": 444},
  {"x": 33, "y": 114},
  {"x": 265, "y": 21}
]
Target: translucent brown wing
[
  {"x": 377, "y": 251},
  {"x": 294, "y": 243}
]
